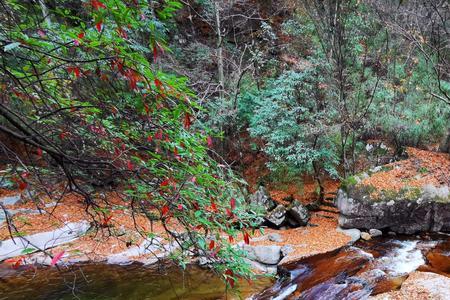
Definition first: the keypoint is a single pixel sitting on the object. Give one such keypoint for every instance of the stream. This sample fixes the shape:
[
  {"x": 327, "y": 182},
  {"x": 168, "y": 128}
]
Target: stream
[{"x": 352, "y": 272}]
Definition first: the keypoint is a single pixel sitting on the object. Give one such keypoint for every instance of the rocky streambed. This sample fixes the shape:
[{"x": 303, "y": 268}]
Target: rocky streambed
[
  {"x": 359, "y": 271},
  {"x": 365, "y": 269}
]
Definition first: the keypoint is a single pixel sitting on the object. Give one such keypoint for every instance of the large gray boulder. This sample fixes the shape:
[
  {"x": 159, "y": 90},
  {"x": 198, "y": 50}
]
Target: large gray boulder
[
  {"x": 268, "y": 255},
  {"x": 407, "y": 212}
]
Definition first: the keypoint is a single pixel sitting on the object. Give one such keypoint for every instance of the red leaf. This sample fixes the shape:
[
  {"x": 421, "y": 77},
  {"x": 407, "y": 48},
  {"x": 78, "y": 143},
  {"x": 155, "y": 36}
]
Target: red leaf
[
  {"x": 56, "y": 258},
  {"x": 164, "y": 210},
  {"x": 155, "y": 53},
  {"x": 106, "y": 221},
  {"x": 129, "y": 165},
  {"x": 158, "y": 83},
  {"x": 74, "y": 70},
  {"x": 22, "y": 185},
  {"x": 180, "y": 207},
  {"x": 187, "y": 120},
  {"x": 133, "y": 78},
  {"x": 164, "y": 183},
  {"x": 229, "y": 277},
  {"x": 230, "y": 239},
  {"x": 159, "y": 134},
  {"x": 196, "y": 206},
  {"x": 214, "y": 254},
  {"x": 117, "y": 151},
  {"x": 39, "y": 152},
  {"x": 233, "y": 203},
  {"x": 96, "y": 4},
  {"x": 99, "y": 25},
  {"x": 213, "y": 207},
  {"x": 209, "y": 141},
  {"x": 63, "y": 135},
  {"x": 246, "y": 238},
  {"x": 229, "y": 213},
  {"x": 211, "y": 245},
  {"x": 15, "y": 262},
  {"x": 80, "y": 35},
  {"x": 149, "y": 138}
]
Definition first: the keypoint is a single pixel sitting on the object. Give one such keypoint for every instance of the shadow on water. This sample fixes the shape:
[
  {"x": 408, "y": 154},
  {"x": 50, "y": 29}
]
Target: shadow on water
[
  {"x": 352, "y": 272},
  {"x": 134, "y": 282}
]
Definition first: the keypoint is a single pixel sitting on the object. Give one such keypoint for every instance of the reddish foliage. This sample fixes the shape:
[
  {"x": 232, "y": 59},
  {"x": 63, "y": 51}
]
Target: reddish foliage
[
  {"x": 22, "y": 185},
  {"x": 213, "y": 207},
  {"x": 164, "y": 183},
  {"x": 158, "y": 83},
  {"x": 96, "y": 4},
  {"x": 233, "y": 203},
  {"x": 155, "y": 53},
  {"x": 229, "y": 277},
  {"x": 187, "y": 120},
  {"x": 75, "y": 70},
  {"x": 15, "y": 262},
  {"x": 164, "y": 210},
  {"x": 246, "y": 237},
  {"x": 106, "y": 221},
  {"x": 129, "y": 165},
  {"x": 211, "y": 245},
  {"x": 56, "y": 258},
  {"x": 209, "y": 141},
  {"x": 99, "y": 25}
]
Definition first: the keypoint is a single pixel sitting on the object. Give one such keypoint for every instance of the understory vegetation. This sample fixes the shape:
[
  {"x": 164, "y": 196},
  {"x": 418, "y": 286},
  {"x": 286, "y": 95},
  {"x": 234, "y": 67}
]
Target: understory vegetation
[{"x": 163, "y": 99}]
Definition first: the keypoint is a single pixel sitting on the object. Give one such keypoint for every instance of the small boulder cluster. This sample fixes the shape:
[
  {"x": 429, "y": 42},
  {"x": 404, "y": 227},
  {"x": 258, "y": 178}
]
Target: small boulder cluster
[{"x": 280, "y": 216}]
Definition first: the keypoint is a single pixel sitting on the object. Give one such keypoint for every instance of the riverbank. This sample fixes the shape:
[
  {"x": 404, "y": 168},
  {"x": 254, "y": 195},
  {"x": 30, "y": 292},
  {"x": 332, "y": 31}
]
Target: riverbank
[{"x": 123, "y": 238}]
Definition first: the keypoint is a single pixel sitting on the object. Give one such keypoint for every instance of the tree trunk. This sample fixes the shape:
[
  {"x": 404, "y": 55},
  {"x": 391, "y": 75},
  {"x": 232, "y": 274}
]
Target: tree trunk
[{"x": 220, "y": 72}]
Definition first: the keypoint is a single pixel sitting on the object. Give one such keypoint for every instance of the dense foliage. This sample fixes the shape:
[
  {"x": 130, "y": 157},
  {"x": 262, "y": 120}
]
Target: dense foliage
[{"x": 83, "y": 90}]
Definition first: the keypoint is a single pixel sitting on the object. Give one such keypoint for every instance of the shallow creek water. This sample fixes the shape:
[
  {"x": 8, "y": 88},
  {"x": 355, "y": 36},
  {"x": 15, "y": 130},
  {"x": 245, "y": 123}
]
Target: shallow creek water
[{"x": 353, "y": 272}]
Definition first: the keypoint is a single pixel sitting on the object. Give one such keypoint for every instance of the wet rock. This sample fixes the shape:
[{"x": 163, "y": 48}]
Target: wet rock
[
  {"x": 375, "y": 232},
  {"x": 269, "y": 255},
  {"x": 261, "y": 198},
  {"x": 365, "y": 236},
  {"x": 277, "y": 216},
  {"x": 275, "y": 237},
  {"x": 297, "y": 214}
]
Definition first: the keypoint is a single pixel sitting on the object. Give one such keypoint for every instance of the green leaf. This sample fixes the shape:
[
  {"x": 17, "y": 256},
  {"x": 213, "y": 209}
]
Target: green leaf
[{"x": 28, "y": 250}]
